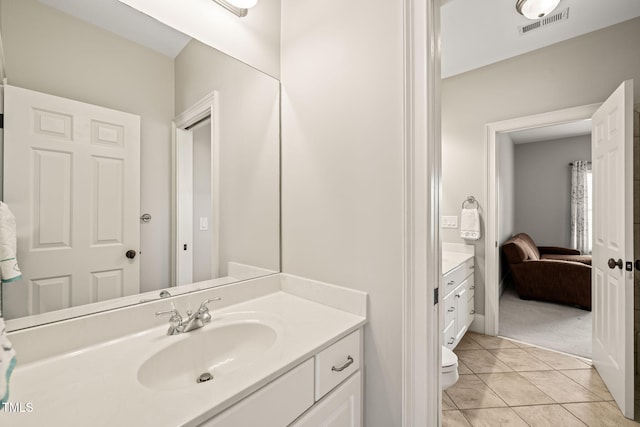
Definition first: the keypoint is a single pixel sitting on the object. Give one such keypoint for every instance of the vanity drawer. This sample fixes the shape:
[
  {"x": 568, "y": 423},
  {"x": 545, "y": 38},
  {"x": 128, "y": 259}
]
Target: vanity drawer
[
  {"x": 457, "y": 275},
  {"x": 449, "y": 338},
  {"x": 449, "y": 309},
  {"x": 265, "y": 407},
  {"x": 336, "y": 363}
]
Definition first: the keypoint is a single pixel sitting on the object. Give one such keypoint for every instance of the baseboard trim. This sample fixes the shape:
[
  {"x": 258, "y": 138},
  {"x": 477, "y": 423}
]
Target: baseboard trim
[{"x": 478, "y": 324}]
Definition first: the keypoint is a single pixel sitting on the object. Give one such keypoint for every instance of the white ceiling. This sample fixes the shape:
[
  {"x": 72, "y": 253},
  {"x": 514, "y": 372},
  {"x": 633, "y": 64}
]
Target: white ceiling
[
  {"x": 475, "y": 33},
  {"x": 120, "y": 19}
]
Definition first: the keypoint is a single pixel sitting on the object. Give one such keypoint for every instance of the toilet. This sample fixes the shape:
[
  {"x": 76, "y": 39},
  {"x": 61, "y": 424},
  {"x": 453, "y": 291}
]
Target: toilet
[{"x": 449, "y": 372}]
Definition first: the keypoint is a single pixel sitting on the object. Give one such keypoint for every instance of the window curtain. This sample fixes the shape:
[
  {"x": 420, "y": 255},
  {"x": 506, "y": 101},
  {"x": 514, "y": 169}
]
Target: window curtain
[{"x": 581, "y": 206}]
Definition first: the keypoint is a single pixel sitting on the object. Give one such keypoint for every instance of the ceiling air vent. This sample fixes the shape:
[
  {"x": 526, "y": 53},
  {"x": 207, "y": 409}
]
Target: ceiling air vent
[{"x": 563, "y": 15}]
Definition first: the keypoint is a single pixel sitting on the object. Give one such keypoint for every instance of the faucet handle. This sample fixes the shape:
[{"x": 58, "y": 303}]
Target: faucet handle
[
  {"x": 173, "y": 312},
  {"x": 203, "y": 311},
  {"x": 175, "y": 321},
  {"x": 203, "y": 306}
]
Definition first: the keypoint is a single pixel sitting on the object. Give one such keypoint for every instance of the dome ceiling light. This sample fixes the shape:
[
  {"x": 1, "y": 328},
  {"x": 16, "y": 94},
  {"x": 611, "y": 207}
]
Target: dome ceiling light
[{"x": 536, "y": 9}]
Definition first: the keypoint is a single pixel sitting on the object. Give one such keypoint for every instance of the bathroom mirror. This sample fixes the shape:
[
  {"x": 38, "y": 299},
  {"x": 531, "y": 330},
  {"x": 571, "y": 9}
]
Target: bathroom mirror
[{"x": 205, "y": 211}]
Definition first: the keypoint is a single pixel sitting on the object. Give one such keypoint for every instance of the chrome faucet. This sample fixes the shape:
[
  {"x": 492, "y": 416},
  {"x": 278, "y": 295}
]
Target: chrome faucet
[{"x": 197, "y": 320}]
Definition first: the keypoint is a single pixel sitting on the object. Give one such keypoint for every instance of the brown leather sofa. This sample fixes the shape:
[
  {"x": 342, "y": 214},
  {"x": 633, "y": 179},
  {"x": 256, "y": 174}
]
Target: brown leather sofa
[{"x": 548, "y": 273}]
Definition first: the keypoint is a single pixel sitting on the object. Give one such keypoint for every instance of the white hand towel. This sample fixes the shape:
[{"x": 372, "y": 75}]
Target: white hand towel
[
  {"x": 9, "y": 270},
  {"x": 470, "y": 224},
  {"x": 7, "y": 363}
]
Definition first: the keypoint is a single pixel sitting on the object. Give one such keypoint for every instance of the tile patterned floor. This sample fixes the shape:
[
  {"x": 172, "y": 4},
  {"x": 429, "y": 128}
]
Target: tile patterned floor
[{"x": 506, "y": 383}]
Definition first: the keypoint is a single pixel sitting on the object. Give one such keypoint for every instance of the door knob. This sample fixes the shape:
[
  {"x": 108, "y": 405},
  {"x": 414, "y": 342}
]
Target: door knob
[
  {"x": 613, "y": 263},
  {"x": 131, "y": 254}
]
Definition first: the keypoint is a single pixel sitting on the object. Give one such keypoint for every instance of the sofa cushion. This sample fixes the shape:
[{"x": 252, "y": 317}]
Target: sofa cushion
[
  {"x": 520, "y": 248},
  {"x": 529, "y": 245}
]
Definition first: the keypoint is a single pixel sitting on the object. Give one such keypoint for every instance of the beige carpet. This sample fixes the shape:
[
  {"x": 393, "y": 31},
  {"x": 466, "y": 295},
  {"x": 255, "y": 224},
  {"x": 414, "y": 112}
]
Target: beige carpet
[{"x": 554, "y": 326}]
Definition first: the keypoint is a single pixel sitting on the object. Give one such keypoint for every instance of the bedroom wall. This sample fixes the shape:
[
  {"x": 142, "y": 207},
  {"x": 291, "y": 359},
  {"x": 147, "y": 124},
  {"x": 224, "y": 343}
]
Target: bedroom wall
[
  {"x": 580, "y": 71},
  {"x": 542, "y": 187}
]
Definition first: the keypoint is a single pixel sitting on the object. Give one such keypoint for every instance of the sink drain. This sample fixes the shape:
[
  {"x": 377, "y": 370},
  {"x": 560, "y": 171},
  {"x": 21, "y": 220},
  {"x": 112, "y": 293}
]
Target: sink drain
[{"x": 203, "y": 378}]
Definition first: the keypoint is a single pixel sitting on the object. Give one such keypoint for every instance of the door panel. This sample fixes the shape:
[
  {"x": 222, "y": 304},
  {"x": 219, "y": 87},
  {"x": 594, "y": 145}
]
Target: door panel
[
  {"x": 72, "y": 181},
  {"x": 612, "y": 152}
]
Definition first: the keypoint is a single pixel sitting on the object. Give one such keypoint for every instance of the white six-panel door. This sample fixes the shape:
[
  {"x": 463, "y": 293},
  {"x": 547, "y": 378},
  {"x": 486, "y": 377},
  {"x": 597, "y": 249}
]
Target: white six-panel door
[
  {"x": 71, "y": 178},
  {"x": 612, "y": 153}
]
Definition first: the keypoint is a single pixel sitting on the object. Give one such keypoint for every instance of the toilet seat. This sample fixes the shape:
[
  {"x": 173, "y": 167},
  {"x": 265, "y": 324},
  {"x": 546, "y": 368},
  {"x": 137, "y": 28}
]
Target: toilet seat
[
  {"x": 449, "y": 360},
  {"x": 449, "y": 370}
]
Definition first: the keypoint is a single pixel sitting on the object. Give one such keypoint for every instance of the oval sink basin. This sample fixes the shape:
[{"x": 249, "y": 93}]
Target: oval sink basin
[{"x": 207, "y": 353}]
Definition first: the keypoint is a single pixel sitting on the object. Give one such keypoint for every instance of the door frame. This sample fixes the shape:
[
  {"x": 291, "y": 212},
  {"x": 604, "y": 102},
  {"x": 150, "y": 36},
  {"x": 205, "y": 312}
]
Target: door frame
[
  {"x": 492, "y": 255},
  {"x": 421, "y": 333},
  {"x": 205, "y": 107}
]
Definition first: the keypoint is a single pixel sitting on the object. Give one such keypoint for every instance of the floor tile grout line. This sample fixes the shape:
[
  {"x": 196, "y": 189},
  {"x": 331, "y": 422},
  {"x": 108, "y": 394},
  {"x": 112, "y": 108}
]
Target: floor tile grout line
[
  {"x": 563, "y": 371},
  {"x": 572, "y": 413},
  {"x": 492, "y": 390},
  {"x": 529, "y": 381},
  {"x": 480, "y": 409},
  {"x": 513, "y": 371},
  {"x": 524, "y": 378},
  {"x": 588, "y": 389}
]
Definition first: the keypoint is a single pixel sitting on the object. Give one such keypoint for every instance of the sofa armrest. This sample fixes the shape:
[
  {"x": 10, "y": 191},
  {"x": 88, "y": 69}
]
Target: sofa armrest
[{"x": 557, "y": 250}]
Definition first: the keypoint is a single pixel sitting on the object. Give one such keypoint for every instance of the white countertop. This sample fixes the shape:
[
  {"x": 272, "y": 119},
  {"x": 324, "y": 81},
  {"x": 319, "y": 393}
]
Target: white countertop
[
  {"x": 98, "y": 385},
  {"x": 451, "y": 260}
]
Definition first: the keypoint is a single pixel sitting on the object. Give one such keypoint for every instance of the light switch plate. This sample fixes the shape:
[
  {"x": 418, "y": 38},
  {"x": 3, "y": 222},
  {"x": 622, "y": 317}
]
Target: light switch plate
[
  {"x": 204, "y": 223},
  {"x": 449, "y": 221}
]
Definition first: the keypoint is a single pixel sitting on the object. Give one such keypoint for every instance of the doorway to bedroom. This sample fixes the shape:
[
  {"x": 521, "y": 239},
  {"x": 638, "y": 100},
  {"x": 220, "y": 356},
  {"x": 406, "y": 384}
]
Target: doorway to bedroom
[{"x": 545, "y": 199}]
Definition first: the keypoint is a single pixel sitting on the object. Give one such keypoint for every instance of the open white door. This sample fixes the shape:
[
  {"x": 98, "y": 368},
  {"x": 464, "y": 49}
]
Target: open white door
[
  {"x": 612, "y": 275},
  {"x": 71, "y": 178}
]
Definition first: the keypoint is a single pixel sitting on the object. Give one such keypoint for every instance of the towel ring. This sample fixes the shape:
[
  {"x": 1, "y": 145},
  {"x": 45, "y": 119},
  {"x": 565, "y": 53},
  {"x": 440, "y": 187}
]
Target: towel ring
[{"x": 472, "y": 201}]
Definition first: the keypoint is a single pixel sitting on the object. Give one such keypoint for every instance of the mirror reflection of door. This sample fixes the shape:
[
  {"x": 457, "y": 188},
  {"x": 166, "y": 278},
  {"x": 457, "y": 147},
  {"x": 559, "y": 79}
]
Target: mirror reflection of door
[
  {"x": 196, "y": 240},
  {"x": 65, "y": 159}
]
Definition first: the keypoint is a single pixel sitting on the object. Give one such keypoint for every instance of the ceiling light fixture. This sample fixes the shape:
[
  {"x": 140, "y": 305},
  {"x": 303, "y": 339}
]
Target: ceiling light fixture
[
  {"x": 536, "y": 9},
  {"x": 237, "y": 7}
]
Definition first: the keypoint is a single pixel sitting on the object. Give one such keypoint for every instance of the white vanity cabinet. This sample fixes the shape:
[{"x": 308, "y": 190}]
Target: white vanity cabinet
[
  {"x": 340, "y": 408},
  {"x": 459, "y": 291},
  {"x": 324, "y": 390}
]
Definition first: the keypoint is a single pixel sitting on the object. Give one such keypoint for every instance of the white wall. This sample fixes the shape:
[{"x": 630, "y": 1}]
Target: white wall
[
  {"x": 249, "y": 175},
  {"x": 506, "y": 190},
  {"x": 543, "y": 187},
  {"x": 576, "y": 72},
  {"x": 54, "y": 53},
  {"x": 254, "y": 39},
  {"x": 342, "y": 171},
  {"x": 202, "y": 239}
]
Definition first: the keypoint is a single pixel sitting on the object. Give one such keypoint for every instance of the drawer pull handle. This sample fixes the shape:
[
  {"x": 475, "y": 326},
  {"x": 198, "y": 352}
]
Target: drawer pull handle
[
  {"x": 451, "y": 341},
  {"x": 451, "y": 310},
  {"x": 343, "y": 367},
  {"x": 472, "y": 287},
  {"x": 451, "y": 283},
  {"x": 473, "y": 312}
]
